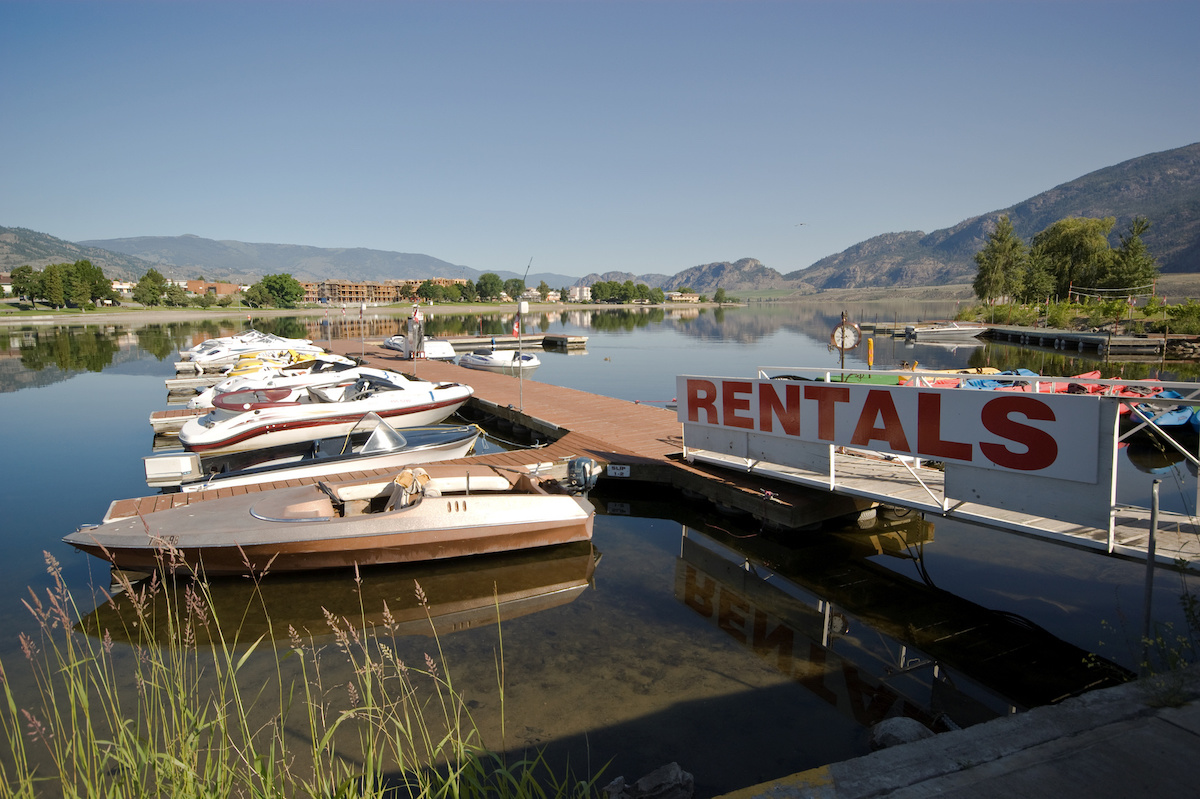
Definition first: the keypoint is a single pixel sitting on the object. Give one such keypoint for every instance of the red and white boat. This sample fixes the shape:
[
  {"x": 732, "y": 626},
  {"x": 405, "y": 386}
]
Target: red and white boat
[{"x": 266, "y": 417}]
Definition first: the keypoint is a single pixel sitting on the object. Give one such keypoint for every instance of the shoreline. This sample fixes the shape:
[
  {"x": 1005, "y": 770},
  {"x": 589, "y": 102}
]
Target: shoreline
[{"x": 161, "y": 315}]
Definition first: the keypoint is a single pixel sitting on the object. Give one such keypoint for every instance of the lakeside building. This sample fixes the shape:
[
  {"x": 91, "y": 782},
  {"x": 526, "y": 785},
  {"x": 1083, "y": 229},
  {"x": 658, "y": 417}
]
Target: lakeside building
[{"x": 580, "y": 293}]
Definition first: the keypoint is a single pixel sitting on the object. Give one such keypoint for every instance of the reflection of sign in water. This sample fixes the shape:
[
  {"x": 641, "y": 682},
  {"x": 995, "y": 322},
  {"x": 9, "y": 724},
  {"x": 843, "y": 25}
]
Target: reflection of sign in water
[
  {"x": 789, "y": 616},
  {"x": 791, "y": 643}
]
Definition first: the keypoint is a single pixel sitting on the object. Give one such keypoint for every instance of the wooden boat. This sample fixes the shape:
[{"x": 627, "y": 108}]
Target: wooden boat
[
  {"x": 371, "y": 444},
  {"x": 257, "y": 418},
  {"x": 449, "y": 511}
]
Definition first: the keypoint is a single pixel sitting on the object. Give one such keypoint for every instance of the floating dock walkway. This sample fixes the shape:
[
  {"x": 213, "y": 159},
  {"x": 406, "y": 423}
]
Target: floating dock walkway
[{"x": 644, "y": 442}]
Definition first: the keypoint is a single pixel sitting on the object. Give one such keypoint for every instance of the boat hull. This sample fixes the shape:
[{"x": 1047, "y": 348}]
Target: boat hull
[
  {"x": 447, "y": 449},
  {"x": 268, "y": 428}
]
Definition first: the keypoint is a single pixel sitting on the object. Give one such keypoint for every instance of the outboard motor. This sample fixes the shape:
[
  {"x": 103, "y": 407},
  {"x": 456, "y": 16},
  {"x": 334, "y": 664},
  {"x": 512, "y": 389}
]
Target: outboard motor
[{"x": 582, "y": 474}]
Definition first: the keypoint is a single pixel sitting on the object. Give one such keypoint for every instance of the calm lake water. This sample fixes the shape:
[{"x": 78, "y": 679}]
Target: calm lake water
[{"x": 699, "y": 639}]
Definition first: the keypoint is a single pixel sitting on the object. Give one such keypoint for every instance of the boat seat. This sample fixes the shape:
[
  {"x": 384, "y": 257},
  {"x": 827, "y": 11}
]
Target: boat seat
[
  {"x": 407, "y": 488},
  {"x": 318, "y": 394}
]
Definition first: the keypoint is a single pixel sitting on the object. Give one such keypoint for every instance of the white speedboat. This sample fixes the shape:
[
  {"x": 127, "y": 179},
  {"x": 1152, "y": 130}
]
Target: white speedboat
[
  {"x": 371, "y": 444},
  {"x": 410, "y": 347},
  {"x": 422, "y": 514},
  {"x": 266, "y": 417},
  {"x": 325, "y": 369},
  {"x": 494, "y": 360},
  {"x": 226, "y": 351},
  {"x": 945, "y": 330}
]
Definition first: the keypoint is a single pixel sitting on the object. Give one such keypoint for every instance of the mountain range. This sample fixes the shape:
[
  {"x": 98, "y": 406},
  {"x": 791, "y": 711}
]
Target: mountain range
[{"x": 1164, "y": 187}]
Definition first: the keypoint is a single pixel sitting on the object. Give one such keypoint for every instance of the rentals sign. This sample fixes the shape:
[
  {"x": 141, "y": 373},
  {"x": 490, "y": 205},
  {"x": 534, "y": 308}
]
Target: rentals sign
[{"x": 1049, "y": 435}]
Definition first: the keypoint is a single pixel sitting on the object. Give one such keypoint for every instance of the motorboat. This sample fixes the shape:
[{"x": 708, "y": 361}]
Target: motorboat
[
  {"x": 218, "y": 353},
  {"x": 427, "y": 513},
  {"x": 325, "y": 369},
  {"x": 494, "y": 360},
  {"x": 410, "y": 347},
  {"x": 944, "y": 330},
  {"x": 253, "y": 418},
  {"x": 239, "y": 338},
  {"x": 371, "y": 444}
]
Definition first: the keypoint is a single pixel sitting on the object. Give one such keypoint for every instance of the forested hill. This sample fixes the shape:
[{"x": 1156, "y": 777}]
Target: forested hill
[{"x": 1163, "y": 187}]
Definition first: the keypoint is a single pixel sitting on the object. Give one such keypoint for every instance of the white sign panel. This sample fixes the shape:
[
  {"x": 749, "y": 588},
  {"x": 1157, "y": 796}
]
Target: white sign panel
[{"x": 1050, "y": 435}]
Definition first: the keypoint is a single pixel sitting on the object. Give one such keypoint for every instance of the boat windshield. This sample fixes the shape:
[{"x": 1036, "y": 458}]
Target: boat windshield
[{"x": 384, "y": 438}]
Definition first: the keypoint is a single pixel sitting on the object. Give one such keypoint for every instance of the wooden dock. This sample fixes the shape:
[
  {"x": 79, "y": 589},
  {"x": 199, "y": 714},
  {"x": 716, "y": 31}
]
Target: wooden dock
[
  {"x": 644, "y": 442},
  {"x": 1101, "y": 343}
]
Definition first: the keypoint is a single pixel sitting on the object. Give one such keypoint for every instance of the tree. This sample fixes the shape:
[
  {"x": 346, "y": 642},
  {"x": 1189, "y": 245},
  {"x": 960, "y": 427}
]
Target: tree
[
  {"x": 543, "y": 290},
  {"x": 719, "y": 296},
  {"x": 24, "y": 282},
  {"x": 429, "y": 291},
  {"x": 1132, "y": 264},
  {"x": 149, "y": 288},
  {"x": 1076, "y": 252},
  {"x": 258, "y": 296},
  {"x": 657, "y": 296},
  {"x": 1001, "y": 263},
  {"x": 468, "y": 292},
  {"x": 284, "y": 289},
  {"x": 601, "y": 291},
  {"x": 51, "y": 287},
  {"x": 489, "y": 286},
  {"x": 514, "y": 287},
  {"x": 175, "y": 296}
]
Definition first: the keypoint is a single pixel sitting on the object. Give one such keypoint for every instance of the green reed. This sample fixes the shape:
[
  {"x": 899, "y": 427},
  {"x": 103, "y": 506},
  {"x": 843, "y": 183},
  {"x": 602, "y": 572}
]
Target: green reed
[{"x": 167, "y": 715}]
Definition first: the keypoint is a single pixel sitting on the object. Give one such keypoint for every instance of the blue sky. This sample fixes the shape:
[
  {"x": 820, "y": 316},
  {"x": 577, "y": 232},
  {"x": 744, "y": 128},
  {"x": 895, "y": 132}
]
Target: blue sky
[{"x": 645, "y": 136}]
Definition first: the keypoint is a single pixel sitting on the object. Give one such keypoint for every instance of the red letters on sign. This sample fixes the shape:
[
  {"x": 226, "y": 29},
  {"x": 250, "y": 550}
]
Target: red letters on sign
[
  {"x": 929, "y": 431},
  {"x": 1041, "y": 448},
  {"x": 735, "y": 396},
  {"x": 702, "y": 394},
  {"x": 787, "y": 412},
  {"x": 826, "y": 397},
  {"x": 879, "y": 405}
]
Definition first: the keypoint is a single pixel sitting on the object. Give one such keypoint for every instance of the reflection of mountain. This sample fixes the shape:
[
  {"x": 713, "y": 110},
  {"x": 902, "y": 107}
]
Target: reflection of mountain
[
  {"x": 875, "y": 642},
  {"x": 461, "y": 594}
]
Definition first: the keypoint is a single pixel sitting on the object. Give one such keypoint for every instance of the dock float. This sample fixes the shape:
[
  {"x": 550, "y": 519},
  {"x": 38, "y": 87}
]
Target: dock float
[{"x": 1101, "y": 343}]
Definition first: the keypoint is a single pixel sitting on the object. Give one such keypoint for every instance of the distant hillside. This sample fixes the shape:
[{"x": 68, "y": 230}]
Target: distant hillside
[
  {"x": 189, "y": 256},
  {"x": 23, "y": 247},
  {"x": 1163, "y": 187}
]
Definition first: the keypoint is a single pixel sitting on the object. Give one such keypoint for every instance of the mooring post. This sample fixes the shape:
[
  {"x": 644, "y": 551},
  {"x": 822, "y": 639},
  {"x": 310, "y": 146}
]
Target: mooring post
[{"x": 1149, "y": 587}]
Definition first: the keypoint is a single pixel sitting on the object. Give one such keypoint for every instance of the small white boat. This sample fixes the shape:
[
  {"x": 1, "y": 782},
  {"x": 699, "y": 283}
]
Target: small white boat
[
  {"x": 414, "y": 344},
  {"x": 494, "y": 360},
  {"x": 266, "y": 417},
  {"x": 371, "y": 444},
  {"x": 945, "y": 330},
  {"x": 448, "y": 511},
  {"x": 433, "y": 349}
]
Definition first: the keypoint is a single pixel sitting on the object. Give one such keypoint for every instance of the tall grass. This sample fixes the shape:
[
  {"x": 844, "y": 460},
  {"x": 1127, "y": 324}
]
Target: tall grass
[{"x": 182, "y": 710}]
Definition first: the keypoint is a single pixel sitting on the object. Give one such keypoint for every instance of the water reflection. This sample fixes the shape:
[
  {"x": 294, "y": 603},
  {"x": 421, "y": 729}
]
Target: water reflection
[
  {"x": 874, "y": 643},
  {"x": 461, "y": 594}
]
